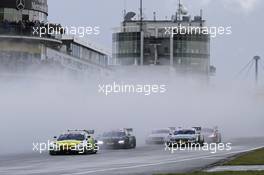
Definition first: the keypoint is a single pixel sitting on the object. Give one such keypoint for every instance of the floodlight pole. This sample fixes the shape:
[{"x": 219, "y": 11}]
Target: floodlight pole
[{"x": 257, "y": 58}]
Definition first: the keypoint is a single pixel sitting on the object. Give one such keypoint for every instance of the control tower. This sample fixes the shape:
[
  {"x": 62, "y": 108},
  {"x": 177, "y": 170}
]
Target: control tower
[{"x": 146, "y": 42}]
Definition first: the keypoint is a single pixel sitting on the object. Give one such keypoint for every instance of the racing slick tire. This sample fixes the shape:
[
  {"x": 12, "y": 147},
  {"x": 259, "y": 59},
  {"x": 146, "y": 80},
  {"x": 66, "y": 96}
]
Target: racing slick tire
[
  {"x": 134, "y": 144},
  {"x": 93, "y": 151},
  {"x": 52, "y": 153}
]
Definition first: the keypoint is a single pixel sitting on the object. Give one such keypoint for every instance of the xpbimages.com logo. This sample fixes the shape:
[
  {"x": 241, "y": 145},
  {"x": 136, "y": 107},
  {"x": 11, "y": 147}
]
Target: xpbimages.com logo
[
  {"x": 211, "y": 147},
  {"x": 121, "y": 88},
  {"x": 197, "y": 30},
  {"x": 42, "y": 30},
  {"x": 51, "y": 146}
]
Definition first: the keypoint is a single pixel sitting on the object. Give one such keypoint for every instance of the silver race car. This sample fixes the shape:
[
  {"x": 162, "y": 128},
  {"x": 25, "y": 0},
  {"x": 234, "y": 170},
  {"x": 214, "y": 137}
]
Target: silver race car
[
  {"x": 191, "y": 137},
  {"x": 212, "y": 135}
]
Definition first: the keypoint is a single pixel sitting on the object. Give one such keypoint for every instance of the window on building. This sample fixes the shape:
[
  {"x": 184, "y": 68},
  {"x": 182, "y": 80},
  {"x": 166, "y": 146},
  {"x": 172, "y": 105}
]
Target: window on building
[
  {"x": 166, "y": 50},
  {"x": 25, "y": 17},
  {"x": 75, "y": 50},
  {"x": 1, "y": 17}
]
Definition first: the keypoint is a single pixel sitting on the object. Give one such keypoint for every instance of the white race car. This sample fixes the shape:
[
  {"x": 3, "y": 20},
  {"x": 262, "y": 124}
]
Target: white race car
[
  {"x": 158, "y": 136},
  {"x": 190, "y": 136},
  {"x": 212, "y": 135}
]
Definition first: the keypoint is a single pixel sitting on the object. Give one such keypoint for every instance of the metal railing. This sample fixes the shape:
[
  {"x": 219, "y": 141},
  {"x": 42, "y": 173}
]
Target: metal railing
[{"x": 126, "y": 29}]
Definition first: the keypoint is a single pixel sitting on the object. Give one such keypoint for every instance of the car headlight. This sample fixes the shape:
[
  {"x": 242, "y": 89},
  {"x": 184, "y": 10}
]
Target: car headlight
[
  {"x": 212, "y": 136},
  {"x": 100, "y": 142},
  {"x": 121, "y": 141}
]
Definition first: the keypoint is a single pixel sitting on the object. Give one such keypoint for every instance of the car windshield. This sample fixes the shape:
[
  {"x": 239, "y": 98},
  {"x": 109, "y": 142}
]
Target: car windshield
[
  {"x": 161, "y": 132},
  {"x": 79, "y": 137},
  {"x": 114, "y": 134},
  {"x": 184, "y": 132}
]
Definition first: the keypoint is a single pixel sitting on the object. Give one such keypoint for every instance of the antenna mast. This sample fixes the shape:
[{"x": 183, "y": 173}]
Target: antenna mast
[
  {"x": 141, "y": 15},
  {"x": 125, "y": 7},
  {"x": 179, "y": 10}
]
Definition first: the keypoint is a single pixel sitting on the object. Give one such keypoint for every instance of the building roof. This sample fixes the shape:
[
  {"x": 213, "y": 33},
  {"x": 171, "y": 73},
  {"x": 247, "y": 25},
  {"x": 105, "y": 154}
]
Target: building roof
[{"x": 88, "y": 44}]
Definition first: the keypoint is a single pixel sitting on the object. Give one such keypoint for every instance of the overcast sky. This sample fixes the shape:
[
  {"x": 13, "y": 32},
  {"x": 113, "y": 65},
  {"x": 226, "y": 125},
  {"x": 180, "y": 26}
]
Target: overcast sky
[{"x": 228, "y": 53}]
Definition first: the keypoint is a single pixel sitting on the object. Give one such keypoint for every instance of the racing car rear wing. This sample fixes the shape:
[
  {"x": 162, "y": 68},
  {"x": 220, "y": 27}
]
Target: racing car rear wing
[
  {"x": 78, "y": 130},
  {"x": 216, "y": 128},
  {"x": 172, "y": 128},
  {"x": 128, "y": 130},
  {"x": 198, "y": 129}
]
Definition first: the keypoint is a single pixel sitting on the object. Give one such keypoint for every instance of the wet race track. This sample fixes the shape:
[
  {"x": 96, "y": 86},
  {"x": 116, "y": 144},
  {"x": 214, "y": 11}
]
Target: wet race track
[{"x": 142, "y": 160}]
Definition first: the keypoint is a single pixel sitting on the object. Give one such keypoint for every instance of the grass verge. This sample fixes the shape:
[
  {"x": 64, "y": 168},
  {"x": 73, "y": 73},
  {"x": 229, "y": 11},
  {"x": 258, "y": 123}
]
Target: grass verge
[
  {"x": 251, "y": 158},
  {"x": 223, "y": 173}
]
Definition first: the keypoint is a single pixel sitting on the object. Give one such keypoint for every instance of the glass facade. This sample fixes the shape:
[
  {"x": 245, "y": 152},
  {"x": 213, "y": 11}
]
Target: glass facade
[
  {"x": 14, "y": 15},
  {"x": 1, "y": 14},
  {"x": 191, "y": 50},
  {"x": 126, "y": 46},
  {"x": 87, "y": 54},
  {"x": 196, "y": 46},
  {"x": 76, "y": 50}
]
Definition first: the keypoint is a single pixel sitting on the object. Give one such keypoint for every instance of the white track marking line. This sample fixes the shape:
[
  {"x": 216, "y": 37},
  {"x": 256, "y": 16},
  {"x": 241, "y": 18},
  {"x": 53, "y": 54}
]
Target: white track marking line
[
  {"x": 165, "y": 161},
  {"x": 161, "y": 163}
]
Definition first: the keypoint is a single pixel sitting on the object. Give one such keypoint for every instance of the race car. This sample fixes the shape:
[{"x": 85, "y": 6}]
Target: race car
[
  {"x": 212, "y": 135},
  {"x": 74, "y": 142},
  {"x": 158, "y": 136},
  {"x": 191, "y": 137},
  {"x": 118, "y": 139}
]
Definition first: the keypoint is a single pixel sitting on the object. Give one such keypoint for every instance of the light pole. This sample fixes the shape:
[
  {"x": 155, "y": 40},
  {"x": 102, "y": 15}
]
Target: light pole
[{"x": 256, "y": 58}]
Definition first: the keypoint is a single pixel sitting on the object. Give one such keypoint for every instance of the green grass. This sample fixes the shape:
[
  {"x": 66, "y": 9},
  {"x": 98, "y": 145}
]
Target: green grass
[
  {"x": 251, "y": 158},
  {"x": 224, "y": 173}
]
